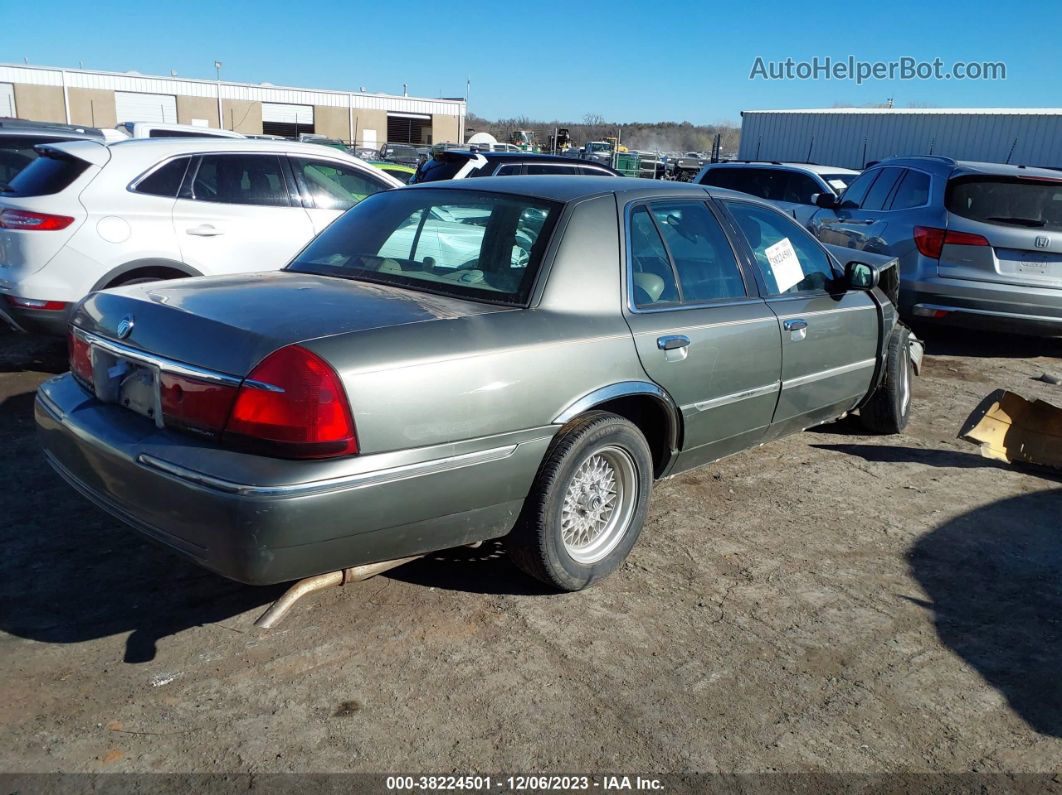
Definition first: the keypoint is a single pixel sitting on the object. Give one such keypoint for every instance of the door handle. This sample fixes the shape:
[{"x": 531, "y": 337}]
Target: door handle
[
  {"x": 795, "y": 325},
  {"x": 672, "y": 342},
  {"x": 204, "y": 230}
]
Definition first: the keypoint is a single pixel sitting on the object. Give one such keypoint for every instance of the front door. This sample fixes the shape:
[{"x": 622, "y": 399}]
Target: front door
[
  {"x": 829, "y": 335},
  {"x": 700, "y": 330},
  {"x": 237, "y": 213}
]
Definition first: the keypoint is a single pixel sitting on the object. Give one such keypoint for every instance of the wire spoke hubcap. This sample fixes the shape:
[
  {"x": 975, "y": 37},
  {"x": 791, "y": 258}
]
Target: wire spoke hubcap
[{"x": 598, "y": 504}]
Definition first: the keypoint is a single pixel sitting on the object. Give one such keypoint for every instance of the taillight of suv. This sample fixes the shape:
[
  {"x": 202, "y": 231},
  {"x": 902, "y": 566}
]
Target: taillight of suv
[
  {"x": 931, "y": 241},
  {"x": 33, "y": 222}
]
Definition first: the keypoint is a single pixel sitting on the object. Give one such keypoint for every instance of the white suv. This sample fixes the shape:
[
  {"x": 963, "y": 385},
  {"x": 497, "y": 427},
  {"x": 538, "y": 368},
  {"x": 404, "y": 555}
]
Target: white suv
[{"x": 85, "y": 216}]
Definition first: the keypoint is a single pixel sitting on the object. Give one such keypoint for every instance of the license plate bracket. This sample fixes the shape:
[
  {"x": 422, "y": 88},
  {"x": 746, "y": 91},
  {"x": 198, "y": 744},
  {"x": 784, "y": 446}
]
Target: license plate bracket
[{"x": 128, "y": 383}]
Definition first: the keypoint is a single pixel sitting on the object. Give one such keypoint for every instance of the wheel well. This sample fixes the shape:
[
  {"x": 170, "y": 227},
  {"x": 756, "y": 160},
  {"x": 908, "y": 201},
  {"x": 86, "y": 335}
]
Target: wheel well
[
  {"x": 151, "y": 272},
  {"x": 652, "y": 418}
]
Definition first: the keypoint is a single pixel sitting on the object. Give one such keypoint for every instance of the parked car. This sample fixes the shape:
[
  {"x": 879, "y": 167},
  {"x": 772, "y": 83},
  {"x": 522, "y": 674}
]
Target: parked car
[
  {"x": 979, "y": 244},
  {"x": 377, "y": 400},
  {"x": 399, "y": 171},
  {"x": 18, "y": 137},
  {"x": 400, "y": 153},
  {"x": 152, "y": 129},
  {"x": 85, "y": 216},
  {"x": 462, "y": 163},
  {"x": 791, "y": 187}
]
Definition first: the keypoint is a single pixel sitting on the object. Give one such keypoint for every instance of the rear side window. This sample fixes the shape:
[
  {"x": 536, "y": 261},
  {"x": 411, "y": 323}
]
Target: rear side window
[
  {"x": 912, "y": 192},
  {"x": 705, "y": 262},
  {"x": 762, "y": 182},
  {"x": 551, "y": 168},
  {"x": 241, "y": 179},
  {"x": 48, "y": 174},
  {"x": 879, "y": 192},
  {"x": 799, "y": 188},
  {"x": 166, "y": 180},
  {"x": 1007, "y": 201},
  {"x": 652, "y": 278}
]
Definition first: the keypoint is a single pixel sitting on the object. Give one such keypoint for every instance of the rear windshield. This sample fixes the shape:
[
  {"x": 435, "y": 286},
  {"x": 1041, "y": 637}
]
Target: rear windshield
[
  {"x": 467, "y": 244},
  {"x": 48, "y": 174},
  {"x": 16, "y": 152},
  {"x": 440, "y": 167},
  {"x": 1007, "y": 201}
]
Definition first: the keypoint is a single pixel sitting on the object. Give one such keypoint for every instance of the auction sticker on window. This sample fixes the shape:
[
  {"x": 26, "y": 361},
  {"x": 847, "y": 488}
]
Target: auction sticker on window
[{"x": 784, "y": 264}]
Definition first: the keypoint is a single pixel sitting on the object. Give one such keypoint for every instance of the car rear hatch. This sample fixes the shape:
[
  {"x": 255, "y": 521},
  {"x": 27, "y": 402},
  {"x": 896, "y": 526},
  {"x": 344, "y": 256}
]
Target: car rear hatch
[
  {"x": 1004, "y": 229},
  {"x": 40, "y": 209}
]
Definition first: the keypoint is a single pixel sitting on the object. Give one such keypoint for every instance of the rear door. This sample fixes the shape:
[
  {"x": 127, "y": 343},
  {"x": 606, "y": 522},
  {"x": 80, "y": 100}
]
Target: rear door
[
  {"x": 701, "y": 330},
  {"x": 860, "y": 222},
  {"x": 239, "y": 212},
  {"x": 1019, "y": 221},
  {"x": 329, "y": 188},
  {"x": 829, "y": 336}
]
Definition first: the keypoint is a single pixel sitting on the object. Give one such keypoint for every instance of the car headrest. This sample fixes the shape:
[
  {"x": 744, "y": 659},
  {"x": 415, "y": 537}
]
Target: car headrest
[{"x": 651, "y": 283}]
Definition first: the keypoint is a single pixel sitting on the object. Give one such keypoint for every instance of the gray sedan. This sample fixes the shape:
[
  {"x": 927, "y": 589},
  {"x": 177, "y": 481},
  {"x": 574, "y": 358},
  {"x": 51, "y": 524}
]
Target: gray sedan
[{"x": 461, "y": 361}]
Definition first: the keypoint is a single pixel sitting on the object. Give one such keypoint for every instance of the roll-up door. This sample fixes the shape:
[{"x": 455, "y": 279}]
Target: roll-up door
[
  {"x": 408, "y": 128},
  {"x": 7, "y": 99},
  {"x": 286, "y": 120},
  {"x": 130, "y": 106}
]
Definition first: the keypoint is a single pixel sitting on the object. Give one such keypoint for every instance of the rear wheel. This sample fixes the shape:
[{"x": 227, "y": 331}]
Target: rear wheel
[
  {"x": 888, "y": 410},
  {"x": 587, "y": 505}
]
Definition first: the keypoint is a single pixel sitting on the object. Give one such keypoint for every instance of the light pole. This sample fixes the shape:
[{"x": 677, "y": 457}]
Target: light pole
[{"x": 221, "y": 119}]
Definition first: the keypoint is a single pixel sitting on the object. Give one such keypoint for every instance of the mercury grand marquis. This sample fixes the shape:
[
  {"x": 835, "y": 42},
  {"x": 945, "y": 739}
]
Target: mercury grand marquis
[{"x": 511, "y": 357}]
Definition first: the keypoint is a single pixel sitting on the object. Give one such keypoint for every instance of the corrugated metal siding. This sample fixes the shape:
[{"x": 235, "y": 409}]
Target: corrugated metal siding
[
  {"x": 115, "y": 81},
  {"x": 1036, "y": 138}
]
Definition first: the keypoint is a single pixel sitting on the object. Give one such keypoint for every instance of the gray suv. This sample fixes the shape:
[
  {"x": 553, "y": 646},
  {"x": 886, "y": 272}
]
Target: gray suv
[
  {"x": 979, "y": 244},
  {"x": 791, "y": 187}
]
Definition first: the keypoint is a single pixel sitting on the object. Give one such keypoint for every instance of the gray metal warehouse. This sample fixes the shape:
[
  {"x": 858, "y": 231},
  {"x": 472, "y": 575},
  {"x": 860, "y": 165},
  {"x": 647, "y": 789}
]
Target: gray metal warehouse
[
  {"x": 852, "y": 137},
  {"x": 104, "y": 99}
]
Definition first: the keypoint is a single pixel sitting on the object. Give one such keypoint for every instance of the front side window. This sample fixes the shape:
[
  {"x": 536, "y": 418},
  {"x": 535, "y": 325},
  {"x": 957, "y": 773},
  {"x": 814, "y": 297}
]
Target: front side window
[
  {"x": 878, "y": 195},
  {"x": 241, "y": 179},
  {"x": 788, "y": 257},
  {"x": 334, "y": 186},
  {"x": 853, "y": 197},
  {"x": 464, "y": 243}
]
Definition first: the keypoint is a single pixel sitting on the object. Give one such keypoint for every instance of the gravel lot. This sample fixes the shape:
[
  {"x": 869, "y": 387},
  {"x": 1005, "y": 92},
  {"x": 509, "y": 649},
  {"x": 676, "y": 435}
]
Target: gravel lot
[{"x": 833, "y": 601}]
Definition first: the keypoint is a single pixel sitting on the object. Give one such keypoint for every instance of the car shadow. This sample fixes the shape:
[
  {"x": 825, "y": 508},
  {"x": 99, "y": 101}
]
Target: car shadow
[
  {"x": 993, "y": 581},
  {"x": 945, "y": 341},
  {"x": 934, "y": 457},
  {"x": 485, "y": 569},
  {"x": 22, "y": 352}
]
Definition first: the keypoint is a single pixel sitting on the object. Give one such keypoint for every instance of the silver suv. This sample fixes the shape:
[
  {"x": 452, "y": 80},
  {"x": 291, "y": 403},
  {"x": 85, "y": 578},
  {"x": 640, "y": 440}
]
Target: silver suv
[
  {"x": 791, "y": 187},
  {"x": 979, "y": 244}
]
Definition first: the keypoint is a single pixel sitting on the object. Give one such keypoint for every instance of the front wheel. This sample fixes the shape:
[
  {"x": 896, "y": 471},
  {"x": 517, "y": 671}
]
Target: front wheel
[
  {"x": 587, "y": 505},
  {"x": 888, "y": 409}
]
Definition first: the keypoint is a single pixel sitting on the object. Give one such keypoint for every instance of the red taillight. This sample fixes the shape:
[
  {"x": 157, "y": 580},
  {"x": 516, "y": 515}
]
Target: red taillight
[
  {"x": 80, "y": 359},
  {"x": 195, "y": 405},
  {"x": 931, "y": 241},
  {"x": 293, "y": 405},
  {"x": 33, "y": 222},
  {"x": 35, "y": 303}
]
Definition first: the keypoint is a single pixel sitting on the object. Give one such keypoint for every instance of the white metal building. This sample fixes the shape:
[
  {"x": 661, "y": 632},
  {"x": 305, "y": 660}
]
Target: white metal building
[
  {"x": 103, "y": 99},
  {"x": 851, "y": 137}
]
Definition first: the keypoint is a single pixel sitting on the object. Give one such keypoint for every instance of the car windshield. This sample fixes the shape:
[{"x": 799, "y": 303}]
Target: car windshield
[
  {"x": 1008, "y": 201},
  {"x": 467, "y": 244}
]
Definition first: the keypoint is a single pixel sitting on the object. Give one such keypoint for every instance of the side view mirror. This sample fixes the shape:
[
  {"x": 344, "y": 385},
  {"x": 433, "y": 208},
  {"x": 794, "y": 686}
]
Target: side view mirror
[
  {"x": 826, "y": 201},
  {"x": 861, "y": 276}
]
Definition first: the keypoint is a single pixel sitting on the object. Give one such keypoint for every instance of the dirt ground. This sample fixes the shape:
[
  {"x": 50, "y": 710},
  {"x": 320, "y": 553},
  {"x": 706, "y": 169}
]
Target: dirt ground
[{"x": 831, "y": 602}]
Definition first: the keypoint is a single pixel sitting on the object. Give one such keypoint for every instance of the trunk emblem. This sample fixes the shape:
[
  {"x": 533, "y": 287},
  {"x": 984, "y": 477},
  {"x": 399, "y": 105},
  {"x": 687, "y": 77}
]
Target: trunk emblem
[
  {"x": 125, "y": 326},
  {"x": 1043, "y": 241}
]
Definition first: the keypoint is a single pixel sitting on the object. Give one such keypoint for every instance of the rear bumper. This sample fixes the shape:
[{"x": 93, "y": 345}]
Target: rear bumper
[
  {"x": 984, "y": 305},
  {"x": 263, "y": 521},
  {"x": 35, "y": 321}
]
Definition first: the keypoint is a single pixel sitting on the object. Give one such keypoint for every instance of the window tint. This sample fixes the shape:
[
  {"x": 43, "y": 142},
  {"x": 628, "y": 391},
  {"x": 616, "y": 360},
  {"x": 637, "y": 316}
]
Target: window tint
[
  {"x": 241, "y": 179},
  {"x": 767, "y": 183},
  {"x": 476, "y": 245},
  {"x": 164, "y": 181},
  {"x": 707, "y": 268},
  {"x": 652, "y": 279},
  {"x": 858, "y": 189},
  {"x": 878, "y": 194},
  {"x": 334, "y": 186},
  {"x": 913, "y": 191},
  {"x": 551, "y": 168},
  {"x": 789, "y": 258},
  {"x": 48, "y": 174},
  {"x": 1006, "y": 201},
  {"x": 15, "y": 154},
  {"x": 799, "y": 188}
]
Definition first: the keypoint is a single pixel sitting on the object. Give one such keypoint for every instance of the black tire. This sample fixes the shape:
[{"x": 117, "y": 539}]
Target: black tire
[
  {"x": 888, "y": 409},
  {"x": 537, "y": 543}
]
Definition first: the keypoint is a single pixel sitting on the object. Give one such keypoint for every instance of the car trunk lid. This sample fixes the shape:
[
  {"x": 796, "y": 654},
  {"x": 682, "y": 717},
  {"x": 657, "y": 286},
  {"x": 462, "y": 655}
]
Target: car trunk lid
[{"x": 227, "y": 324}]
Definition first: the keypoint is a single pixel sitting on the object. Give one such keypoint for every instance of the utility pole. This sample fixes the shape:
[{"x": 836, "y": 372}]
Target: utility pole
[{"x": 221, "y": 118}]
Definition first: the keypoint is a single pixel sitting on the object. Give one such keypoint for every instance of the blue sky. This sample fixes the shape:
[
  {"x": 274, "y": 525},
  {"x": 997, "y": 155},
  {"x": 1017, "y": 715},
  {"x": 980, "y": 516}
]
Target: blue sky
[{"x": 627, "y": 61}]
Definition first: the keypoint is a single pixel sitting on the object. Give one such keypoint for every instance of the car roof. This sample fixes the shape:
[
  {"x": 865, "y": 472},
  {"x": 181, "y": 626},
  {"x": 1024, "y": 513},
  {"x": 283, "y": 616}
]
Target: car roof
[
  {"x": 24, "y": 127},
  {"x": 503, "y": 156},
  {"x": 946, "y": 165},
  {"x": 566, "y": 189},
  {"x": 814, "y": 168}
]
